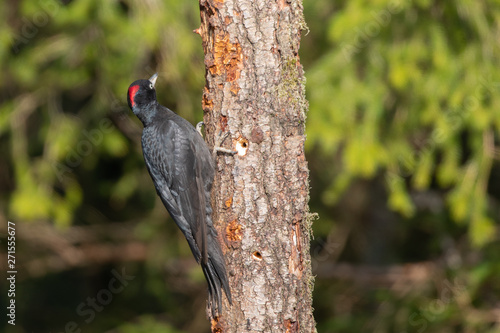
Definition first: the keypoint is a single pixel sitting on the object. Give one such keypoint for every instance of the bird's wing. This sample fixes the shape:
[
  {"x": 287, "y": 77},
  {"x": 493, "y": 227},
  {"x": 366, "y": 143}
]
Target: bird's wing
[{"x": 177, "y": 173}]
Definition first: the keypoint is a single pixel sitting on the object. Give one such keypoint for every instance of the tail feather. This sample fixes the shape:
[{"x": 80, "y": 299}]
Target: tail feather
[
  {"x": 215, "y": 273},
  {"x": 220, "y": 270},
  {"x": 212, "y": 287},
  {"x": 214, "y": 292}
]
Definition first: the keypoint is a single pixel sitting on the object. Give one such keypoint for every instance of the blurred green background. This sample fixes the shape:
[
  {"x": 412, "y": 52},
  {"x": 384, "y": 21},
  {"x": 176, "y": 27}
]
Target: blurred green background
[{"x": 402, "y": 128}]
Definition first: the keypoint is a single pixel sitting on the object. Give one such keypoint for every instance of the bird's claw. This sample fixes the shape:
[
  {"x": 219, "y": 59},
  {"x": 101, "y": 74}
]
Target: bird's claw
[
  {"x": 199, "y": 126},
  {"x": 218, "y": 145}
]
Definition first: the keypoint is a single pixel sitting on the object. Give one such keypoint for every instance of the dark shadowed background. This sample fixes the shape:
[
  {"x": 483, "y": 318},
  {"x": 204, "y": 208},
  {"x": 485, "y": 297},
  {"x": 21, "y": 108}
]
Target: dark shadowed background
[{"x": 403, "y": 128}]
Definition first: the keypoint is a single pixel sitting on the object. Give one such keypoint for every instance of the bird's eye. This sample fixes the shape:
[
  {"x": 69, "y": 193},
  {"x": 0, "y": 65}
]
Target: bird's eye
[{"x": 150, "y": 86}]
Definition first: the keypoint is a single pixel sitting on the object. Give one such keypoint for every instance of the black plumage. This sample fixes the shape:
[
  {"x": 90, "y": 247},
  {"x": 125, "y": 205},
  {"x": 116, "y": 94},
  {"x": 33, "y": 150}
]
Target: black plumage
[{"x": 182, "y": 170}]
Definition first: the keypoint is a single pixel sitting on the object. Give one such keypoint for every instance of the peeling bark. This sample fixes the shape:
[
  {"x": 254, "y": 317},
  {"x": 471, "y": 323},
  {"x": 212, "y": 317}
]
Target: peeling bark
[{"x": 255, "y": 91}]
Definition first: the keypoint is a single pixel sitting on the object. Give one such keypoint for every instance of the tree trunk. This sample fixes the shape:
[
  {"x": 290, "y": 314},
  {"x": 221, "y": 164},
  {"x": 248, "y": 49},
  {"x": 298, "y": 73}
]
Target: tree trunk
[{"x": 255, "y": 91}]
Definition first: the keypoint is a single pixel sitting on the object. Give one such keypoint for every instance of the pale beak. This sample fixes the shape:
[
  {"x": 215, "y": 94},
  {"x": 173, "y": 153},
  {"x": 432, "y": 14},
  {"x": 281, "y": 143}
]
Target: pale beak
[{"x": 153, "y": 78}]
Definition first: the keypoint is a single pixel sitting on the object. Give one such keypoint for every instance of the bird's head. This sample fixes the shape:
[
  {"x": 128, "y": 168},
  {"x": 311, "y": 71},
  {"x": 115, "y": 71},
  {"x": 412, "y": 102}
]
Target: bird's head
[{"x": 140, "y": 94}]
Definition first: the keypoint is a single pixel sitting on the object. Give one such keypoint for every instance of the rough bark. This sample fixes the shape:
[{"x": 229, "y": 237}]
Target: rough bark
[{"x": 255, "y": 91}]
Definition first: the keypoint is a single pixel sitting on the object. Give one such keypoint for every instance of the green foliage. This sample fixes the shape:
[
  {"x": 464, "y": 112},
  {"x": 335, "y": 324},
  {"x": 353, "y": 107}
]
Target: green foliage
[
  {"x": 413, "y": 86},
  {"x": 402, "y": 135},
  {"x": 404, "y": 112},
  {"x": 71, "y": 146},
  {"x": 66, "y": 69}
]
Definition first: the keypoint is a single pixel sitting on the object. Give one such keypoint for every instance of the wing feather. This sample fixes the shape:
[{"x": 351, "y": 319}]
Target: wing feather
[
  {"x": 172, "y": 161},
  {"x": 181, "y": 167}
]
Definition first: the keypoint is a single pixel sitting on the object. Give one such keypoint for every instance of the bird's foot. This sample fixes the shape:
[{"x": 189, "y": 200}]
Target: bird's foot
[
  {"x": 218, "y": 145},
  {"x": 199, "y": 126}
]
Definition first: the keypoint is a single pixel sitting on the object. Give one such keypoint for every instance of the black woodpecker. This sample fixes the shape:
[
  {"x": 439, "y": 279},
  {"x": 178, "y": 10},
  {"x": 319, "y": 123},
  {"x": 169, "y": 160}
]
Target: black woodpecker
[{"x": 181, "y": 166}]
